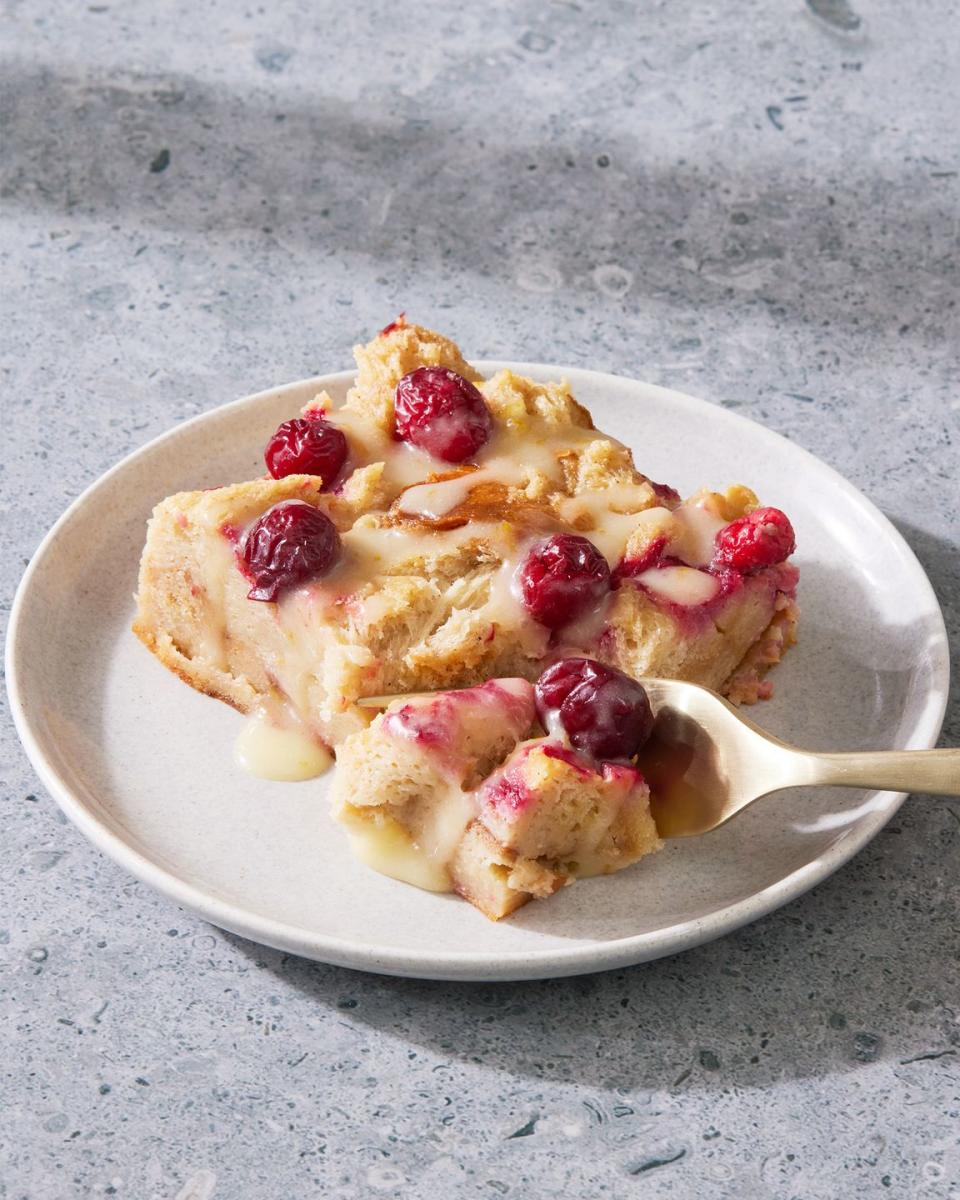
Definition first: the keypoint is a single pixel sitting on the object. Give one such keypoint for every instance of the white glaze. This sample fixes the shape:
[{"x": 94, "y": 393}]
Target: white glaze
[
  {"x": 382, "y": 844},
  {"x": 608, "y": 530},
  {"x": 680, "y": 585},
  {"x": 435, "y": 500},
  {"x": 270, "y": 751},
  {"x": 403, "y": 463},
  {"x": 697, "y": 528},
  {"x": 504, "y": 607}
]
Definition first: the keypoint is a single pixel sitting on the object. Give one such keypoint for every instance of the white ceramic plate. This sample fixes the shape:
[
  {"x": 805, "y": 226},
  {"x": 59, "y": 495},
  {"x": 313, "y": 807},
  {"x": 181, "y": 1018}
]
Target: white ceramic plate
[{"x": 143, "y": 765}]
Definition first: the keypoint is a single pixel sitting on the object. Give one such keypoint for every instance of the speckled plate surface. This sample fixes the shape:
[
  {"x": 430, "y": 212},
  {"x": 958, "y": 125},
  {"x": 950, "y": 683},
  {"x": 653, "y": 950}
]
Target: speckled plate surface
[{"x": 144, "y": 766}]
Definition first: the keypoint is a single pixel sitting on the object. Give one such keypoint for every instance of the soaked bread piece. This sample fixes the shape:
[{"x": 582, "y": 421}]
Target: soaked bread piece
[{"x": 446, "y": 794}]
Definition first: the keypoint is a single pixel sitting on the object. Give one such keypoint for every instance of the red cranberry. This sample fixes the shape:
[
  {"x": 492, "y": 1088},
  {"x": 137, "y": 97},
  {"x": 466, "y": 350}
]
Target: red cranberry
[
  {"x": 306, "y": 446},
  {"x": 603, "y": 712},
  {"x": 761, "y": 539},
  {"x": 441, "y": 412},
  {"x": 290, "y": 544},
  {"x": 561, "y": 578}
]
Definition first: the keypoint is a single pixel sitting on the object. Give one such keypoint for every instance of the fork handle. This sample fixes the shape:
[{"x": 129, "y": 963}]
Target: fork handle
[{"x": 936, "y": 772}]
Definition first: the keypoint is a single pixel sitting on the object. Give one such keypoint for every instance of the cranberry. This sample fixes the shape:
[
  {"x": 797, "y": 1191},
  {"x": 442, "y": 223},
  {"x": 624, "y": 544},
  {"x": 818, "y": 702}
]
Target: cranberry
[
  {"x": 561, "y": 578},
  {"x": 291, "y": 543},
  {"x": 306, "y": 446},
  {"x": 761, "y": 539},
  {"x": 441, "y": 412},
  {"x": 603, "y": 712}
]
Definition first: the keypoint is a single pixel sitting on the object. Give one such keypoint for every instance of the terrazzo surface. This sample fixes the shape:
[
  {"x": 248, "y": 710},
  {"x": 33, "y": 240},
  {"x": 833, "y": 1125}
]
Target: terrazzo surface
[{"x": 754, "y": 203}]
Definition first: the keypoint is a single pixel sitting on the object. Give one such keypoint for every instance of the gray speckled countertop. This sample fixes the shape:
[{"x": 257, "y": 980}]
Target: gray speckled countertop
[{"x": 756, "y": 203}]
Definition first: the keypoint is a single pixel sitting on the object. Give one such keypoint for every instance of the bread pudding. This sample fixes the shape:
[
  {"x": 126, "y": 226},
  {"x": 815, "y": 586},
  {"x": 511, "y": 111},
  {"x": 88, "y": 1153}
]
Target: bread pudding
[
  {"x": 430, "y": 574},
  {"x": 439, "y": 530}
]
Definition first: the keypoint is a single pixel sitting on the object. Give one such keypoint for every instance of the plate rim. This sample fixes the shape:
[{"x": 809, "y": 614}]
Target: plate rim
[{"x": 469, "y": 965}]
